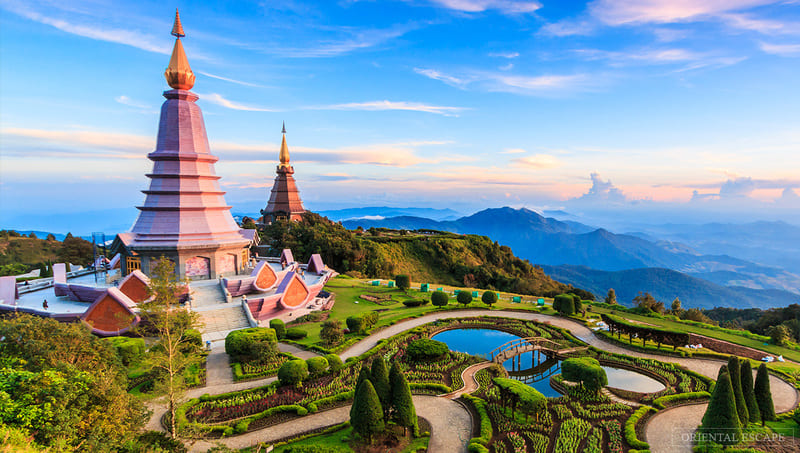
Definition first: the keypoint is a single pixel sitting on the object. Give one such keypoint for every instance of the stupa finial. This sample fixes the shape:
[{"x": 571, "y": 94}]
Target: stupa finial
[
  {"x": 179, "y": 74},
  {"x": 284, "y": 155}
]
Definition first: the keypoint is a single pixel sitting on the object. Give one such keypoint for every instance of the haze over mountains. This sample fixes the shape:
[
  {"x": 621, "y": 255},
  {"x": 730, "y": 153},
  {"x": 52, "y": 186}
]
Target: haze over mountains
[{"x": 597, "y": 259}]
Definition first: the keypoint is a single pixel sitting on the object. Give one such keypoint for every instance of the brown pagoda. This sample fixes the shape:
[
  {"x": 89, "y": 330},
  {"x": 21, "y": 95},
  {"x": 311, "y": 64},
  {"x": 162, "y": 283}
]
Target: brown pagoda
[{"x": 284, "y": 200}]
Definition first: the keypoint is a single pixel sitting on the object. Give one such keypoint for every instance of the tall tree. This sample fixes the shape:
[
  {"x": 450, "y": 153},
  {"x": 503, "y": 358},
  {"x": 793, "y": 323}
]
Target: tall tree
[
  {"x": 747, "y": 389},
  {"x": 169, "y": 323},
  {"x": 720, "y": 419},
  {"x": 366, "y": 414},
  {"x": 611, "y": 297},
  {"x": 404, "y": 413},
  {"x": 738, "y": 396},
  {"x": 676, "y": 307},
  {"x": 379, "y": 376},
  {"x": 764, "y": 395}
]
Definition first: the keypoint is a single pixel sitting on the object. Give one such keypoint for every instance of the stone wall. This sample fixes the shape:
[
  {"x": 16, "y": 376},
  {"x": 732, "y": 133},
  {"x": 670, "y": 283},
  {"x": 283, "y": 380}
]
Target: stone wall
[{"x": 725, "y": 347}]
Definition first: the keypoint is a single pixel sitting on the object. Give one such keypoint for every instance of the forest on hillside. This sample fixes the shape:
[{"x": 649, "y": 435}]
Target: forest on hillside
[
  {"x": 22, "y": 253},
  {"x": 446, "y": 258}
]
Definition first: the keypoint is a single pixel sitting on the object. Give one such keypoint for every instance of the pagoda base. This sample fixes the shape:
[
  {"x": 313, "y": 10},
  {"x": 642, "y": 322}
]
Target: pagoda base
[{"x": 194, "y": 262}]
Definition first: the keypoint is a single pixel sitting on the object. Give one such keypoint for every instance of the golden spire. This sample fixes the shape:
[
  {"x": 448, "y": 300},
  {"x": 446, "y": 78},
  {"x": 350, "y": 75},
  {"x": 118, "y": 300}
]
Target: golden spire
[
  {"x": 179, "y": 75},
  {"x": 284, "y": 155}
]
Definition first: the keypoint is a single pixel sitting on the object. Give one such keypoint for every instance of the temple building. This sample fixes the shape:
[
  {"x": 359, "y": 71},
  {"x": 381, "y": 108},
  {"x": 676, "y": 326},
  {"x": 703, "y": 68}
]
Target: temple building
[
  {"x": 184, "y": 216},
  {"x": 284, "y": 200}
]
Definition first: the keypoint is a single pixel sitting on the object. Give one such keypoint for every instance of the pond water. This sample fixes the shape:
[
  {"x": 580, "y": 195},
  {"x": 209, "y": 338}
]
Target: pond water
[{"x": 534, "y": 368}]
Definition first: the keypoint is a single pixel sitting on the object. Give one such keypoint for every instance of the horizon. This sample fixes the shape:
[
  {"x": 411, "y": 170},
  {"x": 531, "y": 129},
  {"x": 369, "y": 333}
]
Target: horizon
[{"x": 682, "y": 114}]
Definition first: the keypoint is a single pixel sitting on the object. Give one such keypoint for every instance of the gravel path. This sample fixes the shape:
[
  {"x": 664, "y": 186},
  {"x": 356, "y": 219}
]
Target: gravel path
[{"x": 669, "y": 430}]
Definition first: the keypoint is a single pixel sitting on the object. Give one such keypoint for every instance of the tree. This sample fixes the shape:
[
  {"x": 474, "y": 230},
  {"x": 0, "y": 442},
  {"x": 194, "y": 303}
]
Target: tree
[
  {"x": 439, "y": 298},
  {"x": 279, "y": 326},
  {"x": 564, "y": 304},
  {"x": 778, "y": 334},
  {"x": 366, "y": 414},
  {"x": 586, "y": 371},
  {"x": 331, "y": 332},
  {"x": 611, "y": 297},
  {"x": 747, "y": 389},
  {"x": 464, "y": 298},
  {"x": 379, "y": 376},
  {"x": 764, "y": 395},
  {"x": 738, "y": 396},
  {"x": 676, "y": 307},
  {"x": 402, "y": 281},
  {"x": 489, "y": 298},
  {"x": 720, "y": 420},
  {"x": 75, "y": 250},
  {"x": 404, "y": 413},
  {"x": 647, "y": 302},
  {"x": 293, "y": 372},
  {"x": 170, "y": 324}
]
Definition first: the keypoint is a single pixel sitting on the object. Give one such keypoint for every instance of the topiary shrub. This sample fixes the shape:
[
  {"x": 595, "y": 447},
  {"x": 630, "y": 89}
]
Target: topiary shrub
[
  {"x": 464, "y": 298},
  {"x": 585, "y": 370},
  {"x": 251, "y": 344},
  {"x": 293, "y": 372},
  {"x": 296, "y": 333},
  {"x": 129, "y": 350},
  {"x": 489, "y": 298},
  {"x": 564, "y": 304},
  {"x": 426, "y": 350},
  {"x": 355, "y": 324},
  {"x": 439, "y": 298},
  {"x": 402, "y": 281},
  {"x": 415, "y": 303},
  {"x": 279, "y": 327},
  {"x": 317, "y": 366},
  {"x": 334, "y": 363}
]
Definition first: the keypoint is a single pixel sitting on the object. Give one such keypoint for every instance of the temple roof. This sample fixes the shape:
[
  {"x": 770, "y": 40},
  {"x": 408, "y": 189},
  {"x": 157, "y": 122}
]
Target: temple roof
[{"x": 179, "y": 74}]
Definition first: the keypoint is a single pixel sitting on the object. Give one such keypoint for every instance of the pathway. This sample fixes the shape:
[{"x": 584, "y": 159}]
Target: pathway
[{"x": 468, "y": 377}]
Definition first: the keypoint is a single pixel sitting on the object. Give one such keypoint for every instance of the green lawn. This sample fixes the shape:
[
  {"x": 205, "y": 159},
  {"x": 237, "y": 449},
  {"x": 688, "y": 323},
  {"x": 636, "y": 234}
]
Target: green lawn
[
  {"x": 787, "y": 427},
  {"x": 340, "y": 439}
]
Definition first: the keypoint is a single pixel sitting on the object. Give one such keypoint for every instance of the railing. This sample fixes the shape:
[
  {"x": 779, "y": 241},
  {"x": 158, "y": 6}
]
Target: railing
[{"x": 521, "y": 345}]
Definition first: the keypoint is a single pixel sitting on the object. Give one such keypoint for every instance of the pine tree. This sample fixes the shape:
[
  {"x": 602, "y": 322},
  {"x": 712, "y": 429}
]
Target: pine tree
[
  {"x": 764, "y": 395},
  {"x": 738, "y": 396},
  {"x": 405, "y": 414},
  {"x": 379, "y": 376},
  {"x": 363, "y": 376},
  {"x": 366, "y": 415},
  {"x": 720, "y": 419},
  {"x": 747, "y": 390}
]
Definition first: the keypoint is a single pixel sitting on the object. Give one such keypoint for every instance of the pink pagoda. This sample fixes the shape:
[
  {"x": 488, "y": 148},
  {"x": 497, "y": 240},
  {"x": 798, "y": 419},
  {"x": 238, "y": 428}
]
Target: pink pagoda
[{"x": 184, "y": 216}]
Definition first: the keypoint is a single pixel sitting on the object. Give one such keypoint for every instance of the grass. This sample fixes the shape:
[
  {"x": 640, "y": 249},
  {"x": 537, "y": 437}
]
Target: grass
[
  {"x": 341, "y": 439},
  {"x": 786, "y": 427}
]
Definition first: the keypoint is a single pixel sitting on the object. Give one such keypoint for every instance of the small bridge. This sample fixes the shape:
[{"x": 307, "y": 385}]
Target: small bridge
[
  {"x": 519, "y": 346},
  {"x": 537, "y": 373}
]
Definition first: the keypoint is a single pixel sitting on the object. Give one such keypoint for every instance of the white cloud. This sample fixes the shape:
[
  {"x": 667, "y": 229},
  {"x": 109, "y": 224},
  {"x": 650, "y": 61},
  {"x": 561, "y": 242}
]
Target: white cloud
[
  {"x": 601, "y": 191},
  {"x": 567, "y": 28},
  {"x": 537, "y": 161},
  {"x": 538, "y": 85},
  {"x": 763, "y": 26},
  {"x": 394, "y": 105},
  {"x": 125, "y": 100},
  {"x": 238, "y": 82},
  {"x": 359, "y": 39},
  {"x": 616, "y": 12},
  {"x": 784, "y": 50},
  {"x": 217, "y": 99},
  {"x": 436, "y": 75},
  {"x": 513, "y": 151},
  {"x": 504, "y": 6},
  {"x": 509, "y": 55}
]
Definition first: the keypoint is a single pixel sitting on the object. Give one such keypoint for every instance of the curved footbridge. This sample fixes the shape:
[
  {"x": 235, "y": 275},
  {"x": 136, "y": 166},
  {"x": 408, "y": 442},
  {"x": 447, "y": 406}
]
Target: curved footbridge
[{"x": 451, "y": 423}]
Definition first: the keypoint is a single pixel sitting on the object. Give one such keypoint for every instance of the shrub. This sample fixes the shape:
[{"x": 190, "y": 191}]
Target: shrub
[
  {"x": 439, "y": 298},
  {"x": 746, "y": 379},
  {"x": 129, "y": 350},
  {"x": 296, "y": 333},
  {"x": 334, "y": 362},
  {"x": 192, "y": 341},
  {"x": 464, "y": 298},
  {"x": 252, "y": 343},
  {"x": 764, "y": 395},
  {"x": 279, "y": 327},
  {"x": 293, "y": 372},
  {"x": 489, "y": 298},
  {"x": 355, "y": 324},
  {"x": 415, "y": 302},
  {"x": 331, "y": 332},
  {"x": 585, "y": 370},
  {"x": 312, "y": 408},
  {"x": 241, "y": 427},
  {"x": 721, "y": 419},
  {"x": 316, "y": 365},
  {"x": 564, "y": 304},
  {"x": 402, "y": 281},
  {"x": 738, "y": 396},
  {"x": 426, "y": 350},
  {"x": 630, "y": 428},
  {"x": 366, "y": 414}
]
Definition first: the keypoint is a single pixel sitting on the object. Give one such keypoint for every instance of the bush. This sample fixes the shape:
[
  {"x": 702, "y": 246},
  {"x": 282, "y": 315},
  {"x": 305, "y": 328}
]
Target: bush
[
  {"x": 334, "y": 363},
  {"x": 312, "y": 408},
  {"x": 296, "y": 333},
  {"x": 251, "y": 344},
  {"x": 630, "y": 428},
  {"x": 489, "y": 298},
  {"x": 317, "y": 365},
  {"x": 402, "y": 282},
  {"x": 279, "y": 327},
  {"x": 241, "y": 427},
  {"x": 564, "y": 304},
  {"x": 439, "y": 298},
  {"x": 362, "y": 323},
  {"x": 585, "y": 370},
  {"x": 331, "y": 332},
  {"x": 426, "y": 350},
  {"x": 129, "y": 350},
  {"x": 415, "y": 302},
  {"x": 293, "y": 372},
  {"x": 464, "y": 297}
]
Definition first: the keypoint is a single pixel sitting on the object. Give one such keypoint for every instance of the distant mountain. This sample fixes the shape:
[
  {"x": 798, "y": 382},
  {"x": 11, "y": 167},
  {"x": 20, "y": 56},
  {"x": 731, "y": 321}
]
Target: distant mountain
[
  {"x": 665, "y": 285},
  {"x": 384, "y": 211}
]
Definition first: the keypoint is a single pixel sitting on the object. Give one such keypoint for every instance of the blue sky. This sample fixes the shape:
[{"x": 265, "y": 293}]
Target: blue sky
[{"x": 649, "y": 108}]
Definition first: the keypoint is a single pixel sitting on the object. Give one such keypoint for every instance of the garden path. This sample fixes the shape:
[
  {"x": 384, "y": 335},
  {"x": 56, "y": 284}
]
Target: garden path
[
  {"x": 669, "y": 431},
  {"x": 451, "y": 426},
  {"x": 468, "y": 377}
]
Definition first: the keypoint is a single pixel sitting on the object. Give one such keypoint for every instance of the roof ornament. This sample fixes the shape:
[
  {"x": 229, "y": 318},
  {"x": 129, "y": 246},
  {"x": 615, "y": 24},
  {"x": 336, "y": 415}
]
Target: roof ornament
[
  {"x": 283, "y": 131},
  {"x": 284, "y": 154},
  {"x": 179, "y": 74},
  {"x": 177, "y": 28}
]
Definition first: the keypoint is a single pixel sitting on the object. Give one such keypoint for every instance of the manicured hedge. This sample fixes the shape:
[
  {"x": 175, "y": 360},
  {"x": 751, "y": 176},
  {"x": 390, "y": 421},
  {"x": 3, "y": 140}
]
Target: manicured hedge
[
  {"x": 585, "y": 370},
  {"x": 630, "y": 428},
  {"x": 426, "y": 350},
  {"x": 486, "y": 432},
  {"x": 129, "y": 350},
  {"x": 415, "y": 302},
  {"x": 317, "y": 365},
  {"x": 665, "y": 401},
  {"x": 250, "y": 343},
  {"x": 296, "y": 333},
  {"x": 430, "y": 386},
  {"x": 656, "y": 334}
]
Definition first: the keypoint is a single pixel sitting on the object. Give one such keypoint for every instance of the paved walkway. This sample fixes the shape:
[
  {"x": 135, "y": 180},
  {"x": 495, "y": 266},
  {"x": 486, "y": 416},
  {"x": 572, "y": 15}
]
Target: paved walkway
[
  {"x": 669, "y": 431},
  {"x": 451, "y": 426},
  {"x": 468, "y": 377}
]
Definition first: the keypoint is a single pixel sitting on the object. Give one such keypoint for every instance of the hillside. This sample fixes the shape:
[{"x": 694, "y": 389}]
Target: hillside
[
  {"x": 444, "y": 258},
  {"x": 31, "y": 251},
  {"x": 665, "y": 285}
]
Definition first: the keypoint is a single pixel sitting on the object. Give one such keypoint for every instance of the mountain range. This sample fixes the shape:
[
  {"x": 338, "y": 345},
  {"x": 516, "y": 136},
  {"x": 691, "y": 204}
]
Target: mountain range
[{"x": 703, "y": 279}]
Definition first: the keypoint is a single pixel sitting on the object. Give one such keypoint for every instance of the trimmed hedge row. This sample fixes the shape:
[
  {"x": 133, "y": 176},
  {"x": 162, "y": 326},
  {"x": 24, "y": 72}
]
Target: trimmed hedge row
[
  {"x": 630, "y": 428},
  {"x": 430, "y": 386},
  {"x": 665, "y": 401},
  {"x": 657, "y": 334},
  {"x": 478, "y": 444}
]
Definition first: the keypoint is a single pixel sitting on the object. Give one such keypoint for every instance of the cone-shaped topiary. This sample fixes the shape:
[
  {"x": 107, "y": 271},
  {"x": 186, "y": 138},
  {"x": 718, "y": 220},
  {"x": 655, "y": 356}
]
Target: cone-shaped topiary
[
  {"x": 764, "y": 395},
  {"x": 366, "y": 415},
  {"x": 747, "y": 389},
  {"x": 720, "y": 421},
  {"x": 741, "y": 405},
  {"x": 379, "y": 376},
  {"x": 405, "y": 414}
]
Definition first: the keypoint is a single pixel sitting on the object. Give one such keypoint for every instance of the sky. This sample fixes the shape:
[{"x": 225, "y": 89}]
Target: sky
[{"x": 653, "y": 110}]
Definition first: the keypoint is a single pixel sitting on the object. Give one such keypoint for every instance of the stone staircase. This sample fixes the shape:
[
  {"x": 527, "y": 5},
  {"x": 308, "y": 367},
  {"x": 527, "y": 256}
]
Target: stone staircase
[{"x": 217, "y": 316}]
